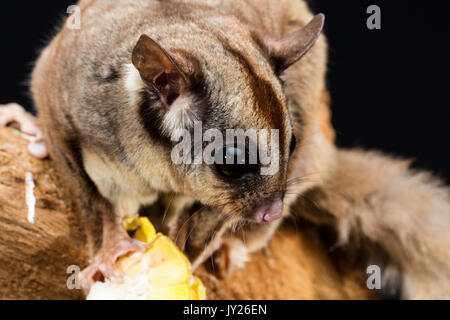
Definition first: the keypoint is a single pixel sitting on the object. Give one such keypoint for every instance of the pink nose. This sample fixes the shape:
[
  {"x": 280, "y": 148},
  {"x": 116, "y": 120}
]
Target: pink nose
[{"x": 269, "y": 212}]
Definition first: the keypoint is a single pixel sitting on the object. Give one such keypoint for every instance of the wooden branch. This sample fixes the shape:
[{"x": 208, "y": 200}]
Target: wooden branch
[{"x": 34, "y": 257}]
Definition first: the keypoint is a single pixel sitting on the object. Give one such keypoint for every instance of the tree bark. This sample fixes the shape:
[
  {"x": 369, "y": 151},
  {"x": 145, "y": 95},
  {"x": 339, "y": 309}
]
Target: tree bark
[{"x": 34, "y": 257}]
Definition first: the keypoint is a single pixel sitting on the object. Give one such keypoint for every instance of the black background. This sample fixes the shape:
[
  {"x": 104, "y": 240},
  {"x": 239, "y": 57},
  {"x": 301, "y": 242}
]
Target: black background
[{"x": 389, "y": 87}]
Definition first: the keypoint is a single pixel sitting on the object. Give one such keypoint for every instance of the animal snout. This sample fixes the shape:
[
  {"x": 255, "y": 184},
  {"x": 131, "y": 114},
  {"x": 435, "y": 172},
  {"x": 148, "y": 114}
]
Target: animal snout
[{"x": 269, "y": 211}]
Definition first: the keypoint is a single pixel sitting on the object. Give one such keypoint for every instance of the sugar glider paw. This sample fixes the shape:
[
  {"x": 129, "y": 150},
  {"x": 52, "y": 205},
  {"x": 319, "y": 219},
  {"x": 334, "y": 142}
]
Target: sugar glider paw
[
  {"x": 27, "y": 124},
  {"x": 237, "y": 254},
  {"x": 103, "y": 266}
]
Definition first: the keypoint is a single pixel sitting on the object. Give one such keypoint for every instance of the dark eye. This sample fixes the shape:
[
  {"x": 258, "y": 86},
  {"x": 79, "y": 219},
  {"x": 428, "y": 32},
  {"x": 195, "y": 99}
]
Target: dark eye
[
  {"x": 236, "y": 163},
  {"x": 293, "y": 144}
]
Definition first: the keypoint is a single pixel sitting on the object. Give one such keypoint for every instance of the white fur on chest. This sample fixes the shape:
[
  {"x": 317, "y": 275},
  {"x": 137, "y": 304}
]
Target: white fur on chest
[{"x": 123, "y": 187}]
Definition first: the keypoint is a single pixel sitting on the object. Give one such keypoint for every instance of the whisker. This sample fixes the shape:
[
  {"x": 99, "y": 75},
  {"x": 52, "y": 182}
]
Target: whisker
[
  {"x": 186, "y": 221},
  {"x": 167, "y": 209},
  {"x": 297, "y": 180}
]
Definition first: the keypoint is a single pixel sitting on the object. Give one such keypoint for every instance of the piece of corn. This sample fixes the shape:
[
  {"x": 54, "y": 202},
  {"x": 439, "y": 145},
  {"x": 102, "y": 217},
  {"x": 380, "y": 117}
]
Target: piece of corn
[{"x": 162, "y": 272}]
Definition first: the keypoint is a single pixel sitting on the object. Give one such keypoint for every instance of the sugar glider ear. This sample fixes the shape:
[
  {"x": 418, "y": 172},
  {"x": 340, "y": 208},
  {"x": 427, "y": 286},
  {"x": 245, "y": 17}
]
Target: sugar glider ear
[
  {"x": 285, "y": 52},
  {"x": 158, "y": 69}
]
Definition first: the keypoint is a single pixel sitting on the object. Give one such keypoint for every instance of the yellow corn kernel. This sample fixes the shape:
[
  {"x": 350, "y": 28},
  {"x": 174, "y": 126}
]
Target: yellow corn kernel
[
  {"x": 163, "y": 249},
  {"x": 131, "y": 264},
  {"x": 176, "y": 292},
  {"x": 131, "y": 223},
  {"x": 146, "y": 231},
  {"x": 170, "y": 272},
  {"x": 162, "y": 269},
  {"x": 197, "y": 290}
]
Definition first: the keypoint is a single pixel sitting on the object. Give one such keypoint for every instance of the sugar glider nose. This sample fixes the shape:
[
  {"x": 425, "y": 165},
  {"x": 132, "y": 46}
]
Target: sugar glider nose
[{"x": 269, "y": 211}]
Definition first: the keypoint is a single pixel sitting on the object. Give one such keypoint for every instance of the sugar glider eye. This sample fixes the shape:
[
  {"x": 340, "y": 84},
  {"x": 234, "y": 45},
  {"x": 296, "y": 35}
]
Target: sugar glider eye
[
  {"x": 240, "y": 166},
  {"x": 293, "y": 144}
]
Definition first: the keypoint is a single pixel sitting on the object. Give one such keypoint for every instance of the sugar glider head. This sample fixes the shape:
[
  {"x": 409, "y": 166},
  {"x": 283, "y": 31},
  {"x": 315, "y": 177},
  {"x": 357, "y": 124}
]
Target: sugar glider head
[{"x": 216, "y": 110}]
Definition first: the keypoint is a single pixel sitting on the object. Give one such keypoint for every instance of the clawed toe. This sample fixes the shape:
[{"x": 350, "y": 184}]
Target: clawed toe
[{"x": 14, "y": 113}]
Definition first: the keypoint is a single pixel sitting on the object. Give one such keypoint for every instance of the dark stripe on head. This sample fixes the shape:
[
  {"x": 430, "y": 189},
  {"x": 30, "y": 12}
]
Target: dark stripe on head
[{"x": 266, "y": 98}]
